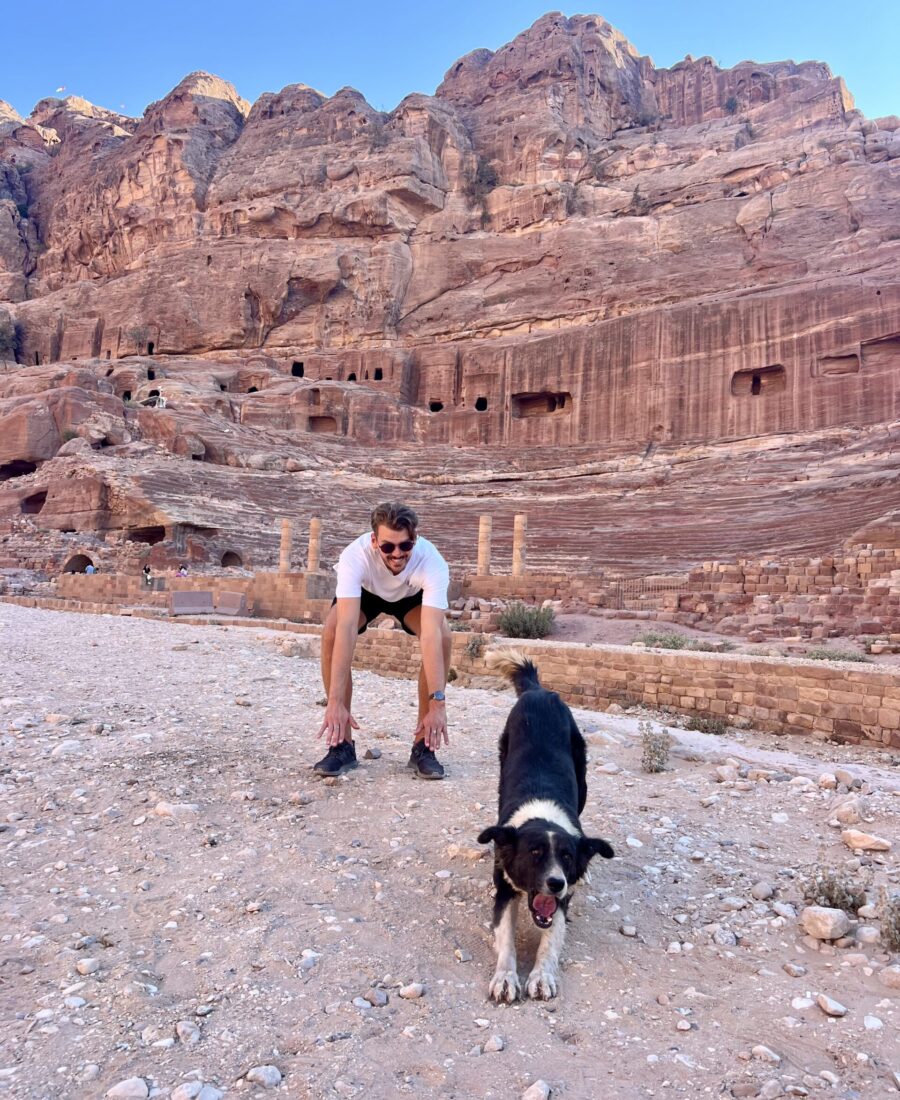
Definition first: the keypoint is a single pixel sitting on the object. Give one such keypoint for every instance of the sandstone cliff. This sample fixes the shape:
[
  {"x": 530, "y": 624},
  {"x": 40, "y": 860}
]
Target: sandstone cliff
[{"x": 566, "y": 254}]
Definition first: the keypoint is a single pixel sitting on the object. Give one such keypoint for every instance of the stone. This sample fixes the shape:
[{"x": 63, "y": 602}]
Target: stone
[
  {"x": 540, "y": 1090},
  {"x": 132, "y": 1088},
  {"x": 830, "y": 1006},
  {"x": 823, "y": 923},
  {"x": 269, "y": 1077},
  {"x": 412, "y": 991},
  {"x": 494, "y": 1044},
  {"x": 865, "y": 842},
  {"x": 890, "y": 976}
]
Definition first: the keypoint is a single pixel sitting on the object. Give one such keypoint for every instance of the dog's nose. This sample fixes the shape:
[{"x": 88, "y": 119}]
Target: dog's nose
[{"x": 556, "y": 885}]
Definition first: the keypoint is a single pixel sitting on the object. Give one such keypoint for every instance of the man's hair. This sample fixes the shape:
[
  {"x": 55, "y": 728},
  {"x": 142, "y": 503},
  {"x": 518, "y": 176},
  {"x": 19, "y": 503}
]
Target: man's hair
[{"x": 396, "y": 516}]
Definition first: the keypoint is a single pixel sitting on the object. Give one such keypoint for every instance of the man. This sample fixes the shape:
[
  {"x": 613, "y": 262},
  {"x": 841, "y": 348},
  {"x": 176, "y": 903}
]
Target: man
[{"x": 391, "y": 569}]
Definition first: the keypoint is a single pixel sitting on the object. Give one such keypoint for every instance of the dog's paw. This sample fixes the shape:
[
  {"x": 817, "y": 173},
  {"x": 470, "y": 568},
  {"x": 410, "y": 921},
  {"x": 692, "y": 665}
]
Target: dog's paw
[
  {"x": 543, "y": 984},
  {"x": 505, "y": 986}
]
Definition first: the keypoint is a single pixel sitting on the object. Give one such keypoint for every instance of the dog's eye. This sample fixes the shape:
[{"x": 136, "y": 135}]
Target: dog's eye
[{"x": 537, "y": 852}]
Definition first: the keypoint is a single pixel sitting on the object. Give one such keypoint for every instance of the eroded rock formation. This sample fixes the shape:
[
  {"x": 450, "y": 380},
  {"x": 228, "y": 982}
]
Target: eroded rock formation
[{"x": 608, "y": 273}]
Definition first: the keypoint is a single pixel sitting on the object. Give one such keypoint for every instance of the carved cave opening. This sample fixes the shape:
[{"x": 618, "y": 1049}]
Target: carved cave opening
[
  {"x": 148, "y": 535},
  {"x": 435, "y": 406},
  {"x": 151, "y": 374},
  {"x": 322, "y": 425},
  {"x": 33, "y": 504},
  {"x": 297, "y": 370},
  {"x": 126, "y": 396},
  {"x": 232, "y": 560},
  {"x": 253, "y": 389},
  {"x": 17, "y": 468},
  {"x": 764, "y": 380},
  {"x": 481, "y": 404},
  {"x": 540, "y": 404},
  {"x": 830, "y": 365},
  {"x": 378, "y": 375},
  {"x": 150, "y": 348},
  {"x": 351, "y": 377}
]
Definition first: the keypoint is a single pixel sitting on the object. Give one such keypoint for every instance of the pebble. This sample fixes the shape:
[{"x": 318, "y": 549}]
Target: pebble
[
  {"x": 765, "y": 1054},
  {"x": 373, "y": 753},
  {"x": 188, "y": 1032},
  {"x": 494, "y": 1044},
  {"x": 872, "y": 1023},
  {"x": 412, "y": 991},
  {"x": 827, "y": 781},
  {"x": 762, "y": 891},
  {"x": 795, "y": 970},
  {"x": 628, "y": 930},
  {"x": 87, "y": 966},
  {"x": 132, "y": 1088},
  {"x": 267, "y": 1076},
  {"x": 830, "y": 1006},
  {"x": 540, "y": 1090}
]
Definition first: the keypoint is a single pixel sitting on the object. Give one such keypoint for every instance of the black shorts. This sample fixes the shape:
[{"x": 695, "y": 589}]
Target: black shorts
[{"x": 372, "y": 606}]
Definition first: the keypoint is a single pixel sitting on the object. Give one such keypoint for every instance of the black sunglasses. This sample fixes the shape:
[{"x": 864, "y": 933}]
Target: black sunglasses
[{"x": 390, "y": 547}]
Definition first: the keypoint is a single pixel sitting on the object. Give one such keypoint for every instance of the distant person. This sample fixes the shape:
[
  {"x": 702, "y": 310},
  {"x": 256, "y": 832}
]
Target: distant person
[
  {"x": 148, "y": 576},
  {"x": 182, "y": 570},
  {"x": 389, "y": 569},
  {"x": 90, "y": 570}
]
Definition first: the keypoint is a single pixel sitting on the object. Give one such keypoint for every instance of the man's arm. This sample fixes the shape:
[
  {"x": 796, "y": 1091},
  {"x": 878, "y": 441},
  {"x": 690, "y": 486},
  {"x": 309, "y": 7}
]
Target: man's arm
[
  {"x": 434, "y": 723},
  {"x": 338, "y": 719}
]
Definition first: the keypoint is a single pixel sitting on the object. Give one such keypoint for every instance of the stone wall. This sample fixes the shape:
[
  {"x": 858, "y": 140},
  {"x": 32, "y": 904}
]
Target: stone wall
[{"x": 846, "y": 704}]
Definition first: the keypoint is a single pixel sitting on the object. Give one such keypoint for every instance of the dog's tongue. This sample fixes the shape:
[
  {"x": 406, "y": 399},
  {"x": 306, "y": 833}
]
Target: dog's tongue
[{"x": 544, "y": 905}]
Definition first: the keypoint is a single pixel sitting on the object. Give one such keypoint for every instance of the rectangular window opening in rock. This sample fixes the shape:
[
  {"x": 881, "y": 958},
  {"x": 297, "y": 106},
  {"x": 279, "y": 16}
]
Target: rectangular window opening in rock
[{"x": 759, "y": 382}]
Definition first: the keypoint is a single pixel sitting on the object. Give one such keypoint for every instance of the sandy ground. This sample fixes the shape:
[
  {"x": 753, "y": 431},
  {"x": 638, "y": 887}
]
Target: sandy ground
[{"x": 183, "y": 902}]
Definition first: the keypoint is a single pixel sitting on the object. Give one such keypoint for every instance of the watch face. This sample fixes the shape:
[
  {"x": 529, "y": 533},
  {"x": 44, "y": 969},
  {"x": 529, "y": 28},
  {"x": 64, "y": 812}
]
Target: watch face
[{"x": 438, "y": 696}]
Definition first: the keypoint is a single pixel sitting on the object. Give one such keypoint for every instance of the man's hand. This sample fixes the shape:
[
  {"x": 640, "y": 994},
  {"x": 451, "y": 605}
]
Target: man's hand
[
  {"x": 434, "y": 726},
  {"x": 337, "y": 724}
]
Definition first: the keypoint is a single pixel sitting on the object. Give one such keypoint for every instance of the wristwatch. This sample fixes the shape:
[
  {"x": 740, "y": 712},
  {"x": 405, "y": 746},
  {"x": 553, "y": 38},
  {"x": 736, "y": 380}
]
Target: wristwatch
[{"x": 438, "y": 696}]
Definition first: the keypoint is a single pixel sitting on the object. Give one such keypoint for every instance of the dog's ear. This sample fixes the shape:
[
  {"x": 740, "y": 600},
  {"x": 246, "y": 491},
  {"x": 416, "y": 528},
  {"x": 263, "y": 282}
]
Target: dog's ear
[
  {"x": 590, "y": 846},
  {"x": 500, "y": 834}
]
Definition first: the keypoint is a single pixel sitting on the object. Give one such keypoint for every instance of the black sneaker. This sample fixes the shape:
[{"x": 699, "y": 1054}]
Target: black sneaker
[
  {"x": 339, "y": 759},
  {"x": 424, "y": 763}
]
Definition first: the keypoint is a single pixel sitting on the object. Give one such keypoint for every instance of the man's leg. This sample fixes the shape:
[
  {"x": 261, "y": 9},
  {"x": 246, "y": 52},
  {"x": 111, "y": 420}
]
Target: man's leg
[
  {"x": 340, "y": 757},
  {"x": 422, "y": 760}
]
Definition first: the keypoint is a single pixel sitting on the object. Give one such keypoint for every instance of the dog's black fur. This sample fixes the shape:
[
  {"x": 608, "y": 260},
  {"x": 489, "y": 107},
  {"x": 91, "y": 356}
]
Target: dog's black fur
[{"x": 540, "y": 851}]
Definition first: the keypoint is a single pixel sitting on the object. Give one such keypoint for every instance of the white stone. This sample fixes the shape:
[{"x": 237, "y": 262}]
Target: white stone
[
  {"x": 765, "y": 1054},
  {"x": 267, "y": 1076},
  {"x": 494, "y": 1044},
  {"x": 412, "y": 991},
  {"x": 540, "y": 1090},
  {"x": 823, "y": 923},
  {"x": 872, "y": 1023},
  {"x": 87, "y": 966}
]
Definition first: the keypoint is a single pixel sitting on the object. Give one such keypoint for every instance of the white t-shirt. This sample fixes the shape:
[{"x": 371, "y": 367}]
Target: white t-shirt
[{"x": 360, "y": 566}]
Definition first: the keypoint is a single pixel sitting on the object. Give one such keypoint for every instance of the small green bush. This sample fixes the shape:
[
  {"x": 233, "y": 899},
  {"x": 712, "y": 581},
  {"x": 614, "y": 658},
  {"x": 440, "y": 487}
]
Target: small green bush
[
  {"x": 475, "y": 646},
  {"x": 656, "y": 744},
  {"x": 731, "y": 104},
  {"x": 718, "y": 726},
  {"x": 664, "y": 639},
  {"x": 486, "y": 179},
  {"x": 68, "y": 434},
  {"x": 521, "y": 621},
  {"x": 836, "y": 655}
]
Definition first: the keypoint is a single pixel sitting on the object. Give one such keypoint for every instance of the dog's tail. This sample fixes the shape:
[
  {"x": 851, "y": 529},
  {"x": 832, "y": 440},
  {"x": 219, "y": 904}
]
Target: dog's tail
[{"x": 515, "y": 666}]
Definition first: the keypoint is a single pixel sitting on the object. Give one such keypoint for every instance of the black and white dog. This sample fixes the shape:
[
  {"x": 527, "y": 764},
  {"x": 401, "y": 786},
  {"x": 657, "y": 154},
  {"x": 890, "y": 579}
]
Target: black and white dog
[{"x": 540, "y": 851}]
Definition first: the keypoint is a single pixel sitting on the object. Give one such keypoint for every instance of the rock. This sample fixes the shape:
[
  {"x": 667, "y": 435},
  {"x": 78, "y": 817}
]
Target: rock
[
  {"x": 827, "y": 781},
  {"x": 540, "y": 1090},
  {"x": 412, "y": 991},
  {"x": 267, "y": 1076},
  {"x": 765, "y": 1054},
  {"x": 373, "y": 753},
  {"x": 830, "y": 1006},
  {"x": 762, "y": 891},
  {"x": 494, "y": 1044},
  {"x": 725, "y": 773},
  {"x": 795, "y": 970},
  {"x": 87, "y": 966},
  {"x": 864, "y": 842},
  {"x": 890, "y": 976},
  {"x": 188, "y": 1032},
  {"x": 823, "y": 923},
  {"x": 376, "y": 997},
  {"x": 132, "y": 1088}
]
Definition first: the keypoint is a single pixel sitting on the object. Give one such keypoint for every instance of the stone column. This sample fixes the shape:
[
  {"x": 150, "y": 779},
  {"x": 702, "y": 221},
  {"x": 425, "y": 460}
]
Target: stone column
[
  {"x": 315, "y": 545},
  {"x": 284, "y": 559},
  {"x": 520, "y": 530},
  {"x": 485, "y": 525}
]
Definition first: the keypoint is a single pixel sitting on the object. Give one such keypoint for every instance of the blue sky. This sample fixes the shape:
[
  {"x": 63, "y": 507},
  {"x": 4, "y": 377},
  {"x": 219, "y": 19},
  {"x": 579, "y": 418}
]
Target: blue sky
[{"x": 124, "y": 56}]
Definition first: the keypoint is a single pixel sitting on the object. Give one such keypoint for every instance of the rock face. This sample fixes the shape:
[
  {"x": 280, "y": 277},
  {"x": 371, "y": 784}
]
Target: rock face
[{"x": 565, "y": 253}]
